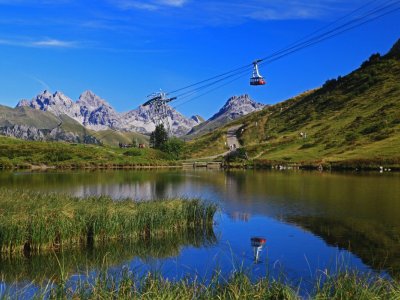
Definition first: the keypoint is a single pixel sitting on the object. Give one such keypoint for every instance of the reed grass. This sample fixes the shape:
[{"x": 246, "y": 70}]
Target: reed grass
[
  {"x": 35, "y": 222},
  {"x": 126, "y": 285},
  {"x": 352, "y": 285}
]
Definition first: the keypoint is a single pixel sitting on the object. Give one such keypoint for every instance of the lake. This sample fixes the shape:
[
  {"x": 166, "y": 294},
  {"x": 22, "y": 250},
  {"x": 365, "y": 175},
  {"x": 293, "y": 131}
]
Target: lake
[{"x": 311, "y": 221}]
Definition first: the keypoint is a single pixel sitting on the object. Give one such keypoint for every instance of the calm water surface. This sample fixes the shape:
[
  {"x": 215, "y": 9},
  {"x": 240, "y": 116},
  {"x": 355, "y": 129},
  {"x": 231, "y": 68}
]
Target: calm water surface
[{"x": 312, "y": 222}]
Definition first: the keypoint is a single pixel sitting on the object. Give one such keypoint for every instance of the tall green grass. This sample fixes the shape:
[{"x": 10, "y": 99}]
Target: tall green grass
[
  {"x": 126, "y": 285},
  {"x": 34, "y": 222}
]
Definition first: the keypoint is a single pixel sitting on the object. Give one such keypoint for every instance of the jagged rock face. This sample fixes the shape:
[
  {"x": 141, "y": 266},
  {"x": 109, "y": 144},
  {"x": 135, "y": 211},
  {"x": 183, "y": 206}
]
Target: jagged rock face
[
  {"x": 23, "y": 132},
  {"x": 237, "y": 106},
  {"x": 95, "y": 113},
  {"x": 56, "y": 103},
  {"x": 34, "y": 134},
  {"x": 140, "y": 120},
  {"x": 90, "y": 110}
]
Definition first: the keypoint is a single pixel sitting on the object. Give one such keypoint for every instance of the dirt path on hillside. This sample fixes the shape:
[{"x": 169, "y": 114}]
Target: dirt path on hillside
[
  {"x": 231, "y": 138},
  {"x": 231, "y": 141}
]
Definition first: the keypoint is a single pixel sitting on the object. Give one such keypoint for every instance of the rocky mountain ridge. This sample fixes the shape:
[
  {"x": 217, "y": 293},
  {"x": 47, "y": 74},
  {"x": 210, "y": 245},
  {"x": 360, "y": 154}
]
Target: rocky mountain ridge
[
  {"x": 234, "y": 108},
  {"x": 97, "y": 114}
]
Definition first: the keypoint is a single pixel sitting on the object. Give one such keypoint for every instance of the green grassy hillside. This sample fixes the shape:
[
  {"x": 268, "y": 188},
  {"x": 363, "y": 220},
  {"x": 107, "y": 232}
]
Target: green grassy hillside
[
  {"x": 207, "y": 145},
  {"x": 19, "y": 153},
  {"x": 207, "y": 126},
  {"x": 46, "y": 121},
  {"x": 27, "y": 116},
  {"x": 350, "y": 121},
  {"x": 113, "y": 137}
]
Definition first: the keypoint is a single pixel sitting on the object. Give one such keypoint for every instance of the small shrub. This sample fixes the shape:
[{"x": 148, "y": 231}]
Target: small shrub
[
  {"x": 351, "y": 136},
  {"x": 374, "y": 58},
  {"x": 396, "y": 120},
  {"x": 307, "y": 146},
  {"x": 239, "y": 154},
  {"x": 271, "y": 136},
  {"x": 374, "y": 128},
  {"x": 330, "y": 84},
  {"x": 57, "y": 156},
  {"x": 133, "y": 152},
  {"x": 382, "y": 135},
  {"x": 174, "y": 147},
  {"x": 331, "y": 144}
]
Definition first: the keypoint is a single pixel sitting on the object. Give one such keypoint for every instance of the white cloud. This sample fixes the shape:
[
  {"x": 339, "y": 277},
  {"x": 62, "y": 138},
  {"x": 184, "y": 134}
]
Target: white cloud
[
  {"x": 47, "y": 43},
  {"x": 54, "y": 43},
  {"x": 220, "y": 12},
  {"x": 150, "y": 5},
  {"x": 223, "y": 12},
  {"x": 177, "y": 3},
  {"x": 127, "y": 4},
  {"x": 37, "y": 2}
]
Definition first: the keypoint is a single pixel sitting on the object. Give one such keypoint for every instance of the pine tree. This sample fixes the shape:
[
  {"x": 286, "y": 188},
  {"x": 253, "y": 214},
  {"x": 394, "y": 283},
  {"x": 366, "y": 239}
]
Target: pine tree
[{"x": 158, "y": 137}]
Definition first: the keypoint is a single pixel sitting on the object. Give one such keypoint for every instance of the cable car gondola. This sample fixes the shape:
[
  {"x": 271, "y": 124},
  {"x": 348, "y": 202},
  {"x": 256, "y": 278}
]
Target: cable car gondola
[{"x": 256, "y": 78}]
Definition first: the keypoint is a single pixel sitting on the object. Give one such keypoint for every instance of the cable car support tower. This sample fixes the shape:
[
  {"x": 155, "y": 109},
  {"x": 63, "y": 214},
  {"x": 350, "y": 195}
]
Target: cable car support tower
[{"x": 158, "y": 109}]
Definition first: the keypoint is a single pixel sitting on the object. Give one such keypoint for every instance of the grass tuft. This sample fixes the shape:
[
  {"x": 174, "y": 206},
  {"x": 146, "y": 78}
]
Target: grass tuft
[{"x": 35, "y": 222}]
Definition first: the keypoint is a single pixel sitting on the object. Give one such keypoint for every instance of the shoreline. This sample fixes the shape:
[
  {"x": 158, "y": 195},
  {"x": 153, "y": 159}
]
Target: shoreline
[
  {"x": 339, "y": 167},
  {"x": 364, "y": 166}
]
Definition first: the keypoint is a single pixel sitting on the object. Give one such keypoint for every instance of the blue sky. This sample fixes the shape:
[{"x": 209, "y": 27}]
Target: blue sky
[{"x": 124, "y": 50}]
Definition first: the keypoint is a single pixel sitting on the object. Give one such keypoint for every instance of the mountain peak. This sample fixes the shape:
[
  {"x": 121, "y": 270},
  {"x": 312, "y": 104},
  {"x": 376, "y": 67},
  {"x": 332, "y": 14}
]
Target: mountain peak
[
  {"x": 59, "y": 94},
  {"x": 91, "y": 99},
  {"x": 88, "y": 94},
  {"x": 23, "y": 102},
  {"x": 45, "y": 93},
  {"x": 239, "y": 99},
  {"x": 237, "y": 106}
]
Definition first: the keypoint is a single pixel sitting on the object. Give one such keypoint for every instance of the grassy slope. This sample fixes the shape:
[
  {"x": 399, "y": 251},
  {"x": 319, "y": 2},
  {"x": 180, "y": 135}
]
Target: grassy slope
[
  {"x": 19, "y": 153},
  {"x": 46, "y": 120},
  {"x": 355, "y": 120},
  {"x": 207, "y": 126},
  {"x": 113, "y": 138},
  {"x": 27, "y": 116},
  {"x": 210, "y": 144}
]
